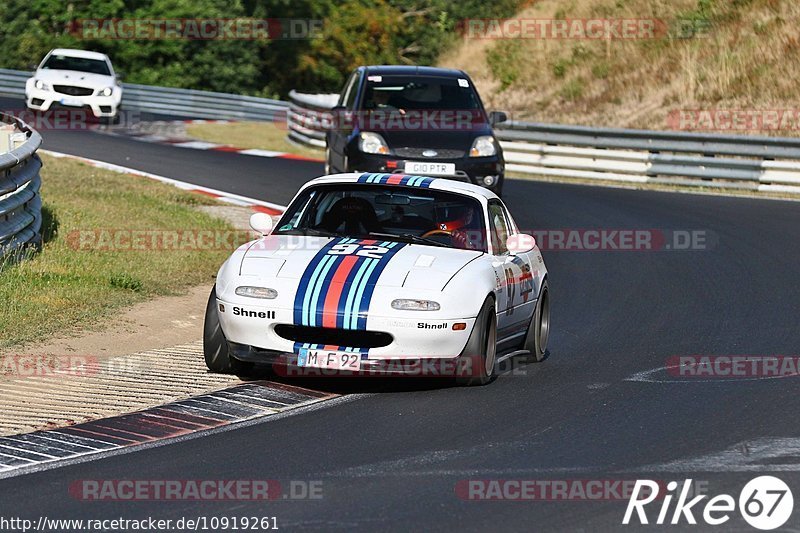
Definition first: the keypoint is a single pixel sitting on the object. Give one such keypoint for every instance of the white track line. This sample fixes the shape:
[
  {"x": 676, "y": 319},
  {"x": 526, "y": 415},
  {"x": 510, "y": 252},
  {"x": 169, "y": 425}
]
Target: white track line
[{"x": 222, "y": 195}]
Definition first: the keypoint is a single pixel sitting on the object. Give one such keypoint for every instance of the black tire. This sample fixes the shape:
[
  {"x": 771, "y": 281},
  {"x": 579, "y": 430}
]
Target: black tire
[
  {"x": 215, "y": 345},
  {"x": 539, "y": 328},
  {"x": 478, "y": 362}
]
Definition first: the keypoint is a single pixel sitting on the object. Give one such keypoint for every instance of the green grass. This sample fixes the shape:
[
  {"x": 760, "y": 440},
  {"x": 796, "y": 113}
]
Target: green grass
[
  {"x": 63, "y": 288},
  {"x": 261, "y": 135}
]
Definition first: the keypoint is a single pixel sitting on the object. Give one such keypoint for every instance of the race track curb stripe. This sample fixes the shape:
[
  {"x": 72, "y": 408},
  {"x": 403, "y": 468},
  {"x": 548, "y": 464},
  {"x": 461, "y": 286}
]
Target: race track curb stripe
[
  {"x": 200, "y": 413},
  {"x": 206, "y": 145},
  {"x": 235, "y": 199}
]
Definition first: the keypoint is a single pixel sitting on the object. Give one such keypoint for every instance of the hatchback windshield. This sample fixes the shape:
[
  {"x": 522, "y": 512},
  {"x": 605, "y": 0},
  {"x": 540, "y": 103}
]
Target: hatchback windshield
[
  {"x": 406, "y": 214},
  {"x": 416, "y": 93},
  {"x": 79, "y": 64}
]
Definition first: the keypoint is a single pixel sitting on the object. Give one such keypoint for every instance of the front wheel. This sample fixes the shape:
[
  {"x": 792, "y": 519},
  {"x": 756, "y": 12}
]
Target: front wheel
[
  {"x": 215, "y": 345},
  {"x": 539, "y": 329},
  {"x": 478, "y": 363}
]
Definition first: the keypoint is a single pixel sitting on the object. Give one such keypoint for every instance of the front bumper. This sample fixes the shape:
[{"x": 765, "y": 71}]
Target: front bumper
[
  {"x": 101, "y": 106},
  {"x": 412, "y": 337},
  {"x": 468, "y": 169},
  {"x": 285, "y": 364}
]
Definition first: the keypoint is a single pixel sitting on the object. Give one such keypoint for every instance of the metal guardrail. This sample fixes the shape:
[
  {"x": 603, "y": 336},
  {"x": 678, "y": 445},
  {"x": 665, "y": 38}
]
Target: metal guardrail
[
  {"x": 309, "y": 116},
  {"x": 20, "y": 203},
  {"x": 171, "y": 101},
  {"x": 754, "y": 163}
]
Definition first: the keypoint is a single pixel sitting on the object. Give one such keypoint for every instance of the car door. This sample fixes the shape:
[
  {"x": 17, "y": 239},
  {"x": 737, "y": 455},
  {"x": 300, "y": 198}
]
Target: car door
[
  {"x": 339, "y": 134},
  {"x": 516, "y": 297}
]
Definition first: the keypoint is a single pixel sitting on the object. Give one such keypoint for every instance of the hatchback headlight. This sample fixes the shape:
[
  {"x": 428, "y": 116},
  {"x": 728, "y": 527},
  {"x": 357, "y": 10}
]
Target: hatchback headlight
[
  {"x": 39, "y": 84},
  {"x": 257, "y": 292},
  {"x": 372, "y": 143},
  {"x": 483, "y": 146},
  {"x": 107, "y": 91},
  {"x": 415, "y": 305}
]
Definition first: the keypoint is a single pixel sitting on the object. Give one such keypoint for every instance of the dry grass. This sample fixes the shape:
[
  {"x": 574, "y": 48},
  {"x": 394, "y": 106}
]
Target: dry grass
[
  {"x": 747, "y": 58},
  {"x": 261, "y": 135}
]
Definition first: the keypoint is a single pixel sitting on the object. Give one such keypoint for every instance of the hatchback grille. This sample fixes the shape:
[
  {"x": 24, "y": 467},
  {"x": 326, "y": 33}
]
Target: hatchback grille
[
  {"x": 350, "y": 338},
  {"x": 418, "y": 152},
  {"x": 72, "y": 90}
]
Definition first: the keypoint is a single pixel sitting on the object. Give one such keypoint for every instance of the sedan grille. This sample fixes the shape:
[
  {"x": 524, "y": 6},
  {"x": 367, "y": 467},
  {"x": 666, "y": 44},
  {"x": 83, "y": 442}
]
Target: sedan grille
[
  {"x": 350, "y": 338},
  {"x": 72, "y": 90}
]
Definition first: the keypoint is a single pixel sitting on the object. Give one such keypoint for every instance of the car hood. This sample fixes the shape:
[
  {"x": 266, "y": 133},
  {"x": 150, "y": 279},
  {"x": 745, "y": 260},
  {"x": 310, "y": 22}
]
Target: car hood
[
  {"x": 433, "y": 138},
  {"x": 72, "y": 77},
  {"x": 410, "y": 266}
]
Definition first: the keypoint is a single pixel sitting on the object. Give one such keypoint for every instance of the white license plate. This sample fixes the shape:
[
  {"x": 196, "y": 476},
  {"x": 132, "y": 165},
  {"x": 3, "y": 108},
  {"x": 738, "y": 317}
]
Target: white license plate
[
  {"x": 74, "y": 102},
  {"x": 426, "y": 168},
  {"x": 333, "y": 360}
]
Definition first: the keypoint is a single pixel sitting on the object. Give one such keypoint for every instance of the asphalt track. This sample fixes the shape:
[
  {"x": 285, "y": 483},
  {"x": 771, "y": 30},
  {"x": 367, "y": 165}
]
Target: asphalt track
[{"x": 391, "y": 459}]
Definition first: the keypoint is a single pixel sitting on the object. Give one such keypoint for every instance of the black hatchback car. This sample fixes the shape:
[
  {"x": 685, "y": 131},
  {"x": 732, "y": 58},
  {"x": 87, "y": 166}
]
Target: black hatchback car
[{"x": 415, "y": 120}]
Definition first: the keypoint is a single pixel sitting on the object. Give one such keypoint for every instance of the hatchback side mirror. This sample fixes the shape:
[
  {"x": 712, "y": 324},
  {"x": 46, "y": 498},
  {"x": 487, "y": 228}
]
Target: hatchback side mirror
[{"x": 496, "y": 117}]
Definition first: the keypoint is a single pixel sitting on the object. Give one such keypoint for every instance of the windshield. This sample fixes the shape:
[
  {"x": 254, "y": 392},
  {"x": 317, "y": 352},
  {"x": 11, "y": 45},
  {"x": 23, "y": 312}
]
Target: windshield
[
  {"x": 396, "y": 213},
  {"x": 419, "y": 93},
  {"x": 79, "y": 64}
]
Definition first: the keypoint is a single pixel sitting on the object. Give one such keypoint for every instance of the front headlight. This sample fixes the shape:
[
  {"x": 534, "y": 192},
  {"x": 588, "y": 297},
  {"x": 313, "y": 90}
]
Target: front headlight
[
  {"x": 106, "y": 92},
  {"x": 415, "y": 305},
  {"x": 39, "y": 84},
  {"x": 483, "y": 146},
  {"x": 257, "y": 292},
  {"x": 372, "y": 143}
]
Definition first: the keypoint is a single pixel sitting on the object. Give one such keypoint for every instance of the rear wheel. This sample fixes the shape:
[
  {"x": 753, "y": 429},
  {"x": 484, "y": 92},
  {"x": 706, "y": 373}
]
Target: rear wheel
[
  {"x": 478, "y": 363},
  {"x": 539, "y": 329},
  {"x": 215, "y": 345}
]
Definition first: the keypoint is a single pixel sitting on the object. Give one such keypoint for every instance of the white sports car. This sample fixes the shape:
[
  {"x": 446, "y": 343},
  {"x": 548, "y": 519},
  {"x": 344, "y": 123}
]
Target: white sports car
[
  {"x": 383, "y": 273},
  {"x": 75, "y": 79}
]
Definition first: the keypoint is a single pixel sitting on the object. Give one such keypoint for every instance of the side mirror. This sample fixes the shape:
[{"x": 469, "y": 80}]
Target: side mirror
[
  {"x": 520, "y": 243},
  {"x": 261, "y": 223},
  {"x": 118, "y": 75},
  {"x": 33, "y": 66},
  {"x": 496, "y": 117}
]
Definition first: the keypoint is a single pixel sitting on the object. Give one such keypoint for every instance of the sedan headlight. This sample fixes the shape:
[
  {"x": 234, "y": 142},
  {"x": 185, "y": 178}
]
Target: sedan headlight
[
  {"x": 372, "y": 143},
  {"x": 39, "y": 84},
  {"x": 415, "y": 305},
  {"x": 257, "y": 292},
  {"x": 106, "y": 92},
  {"x": 483, "y": 146}
]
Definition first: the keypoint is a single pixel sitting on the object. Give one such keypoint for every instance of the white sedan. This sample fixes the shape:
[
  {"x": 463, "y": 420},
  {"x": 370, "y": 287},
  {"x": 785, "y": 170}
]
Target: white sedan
[
  {"x": 383, "y": 273},
  {"x": 75, "y": 79}
]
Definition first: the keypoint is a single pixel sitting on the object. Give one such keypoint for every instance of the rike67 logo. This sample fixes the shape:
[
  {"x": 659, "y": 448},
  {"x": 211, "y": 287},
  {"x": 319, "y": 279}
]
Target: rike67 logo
[{"x": 765, "y": 503}]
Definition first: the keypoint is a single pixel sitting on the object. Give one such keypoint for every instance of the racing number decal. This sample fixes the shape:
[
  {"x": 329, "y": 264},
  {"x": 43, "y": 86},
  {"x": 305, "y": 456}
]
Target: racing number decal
[{"x": 370, "y": 250}]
